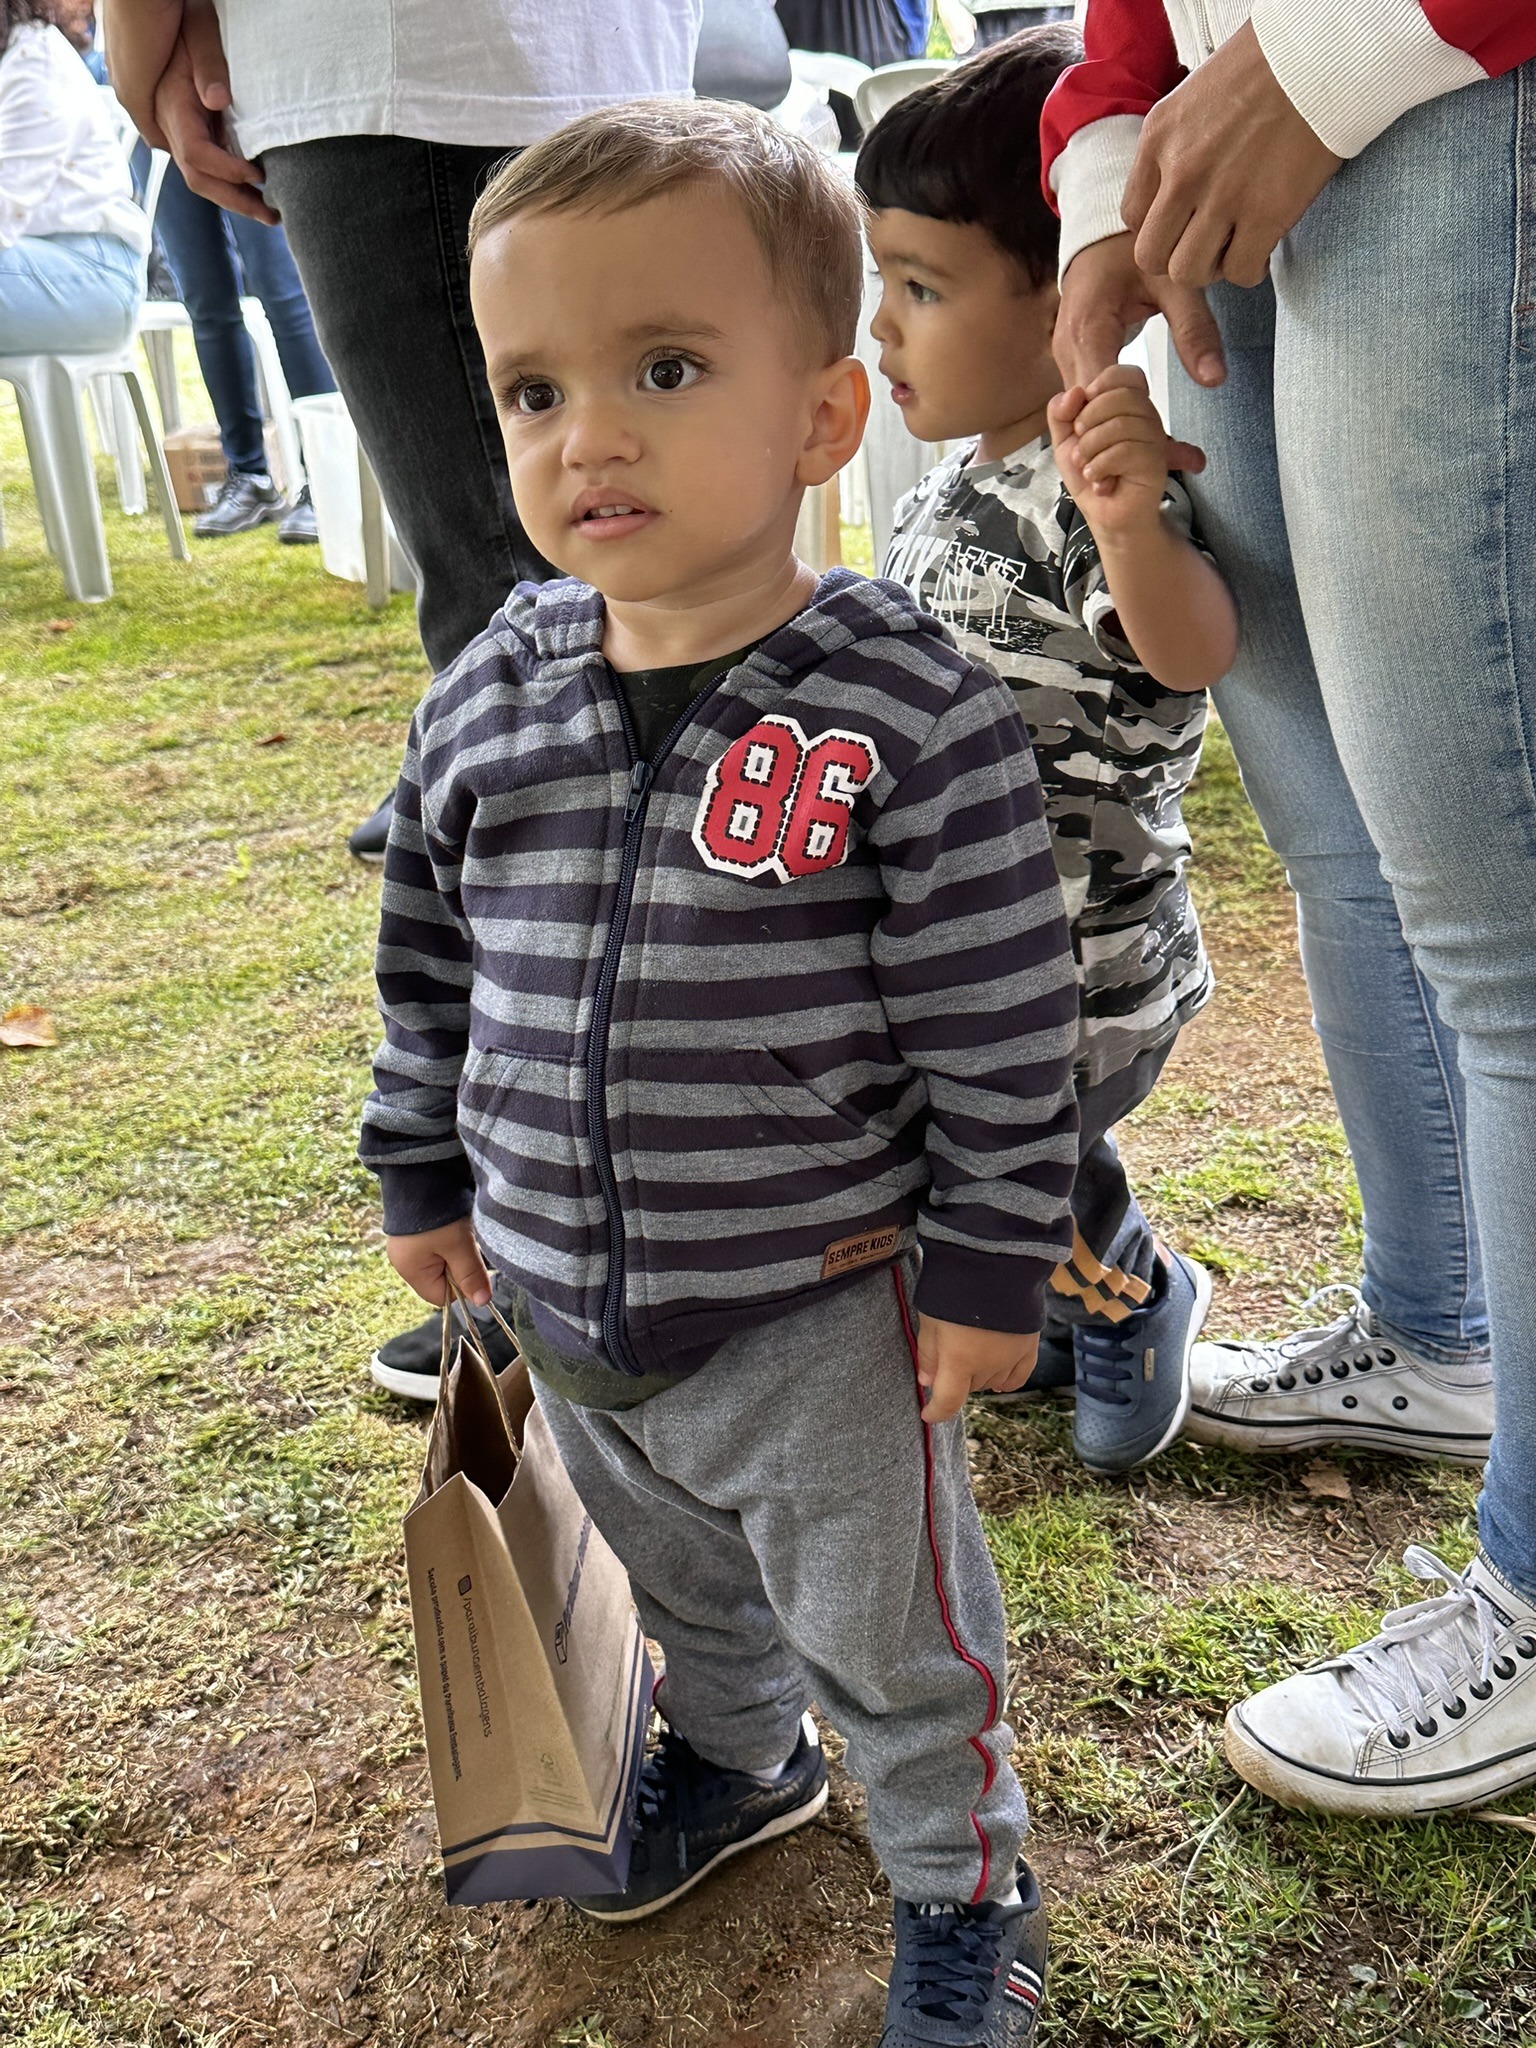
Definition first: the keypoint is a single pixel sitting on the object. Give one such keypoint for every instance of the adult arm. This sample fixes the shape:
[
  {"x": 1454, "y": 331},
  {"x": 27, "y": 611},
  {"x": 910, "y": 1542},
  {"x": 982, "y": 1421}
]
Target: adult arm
[
  {"x": 34, "y": 138},
  {"x": 1231, "y": 158},
  {"x": 166, "y": 61}
]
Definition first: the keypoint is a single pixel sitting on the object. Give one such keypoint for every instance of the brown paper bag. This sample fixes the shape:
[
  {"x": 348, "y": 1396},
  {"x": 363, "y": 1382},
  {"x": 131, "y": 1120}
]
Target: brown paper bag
[{"x": 535, "y": 1683}]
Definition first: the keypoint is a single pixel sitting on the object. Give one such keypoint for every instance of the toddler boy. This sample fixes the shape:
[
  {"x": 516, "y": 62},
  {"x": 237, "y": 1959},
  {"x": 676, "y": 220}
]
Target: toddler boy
[
  {"x": 723, "y": 967},
  {"x": 1068, "y": 567}
]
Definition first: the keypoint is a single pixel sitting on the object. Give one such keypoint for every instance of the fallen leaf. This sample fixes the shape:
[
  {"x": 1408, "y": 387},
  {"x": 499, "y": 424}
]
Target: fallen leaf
[
  {"x": 25, "y": 1024},
  {"x": 61, "y": 626},
  {"x": 1327, "y": 1482},
  {"x": 274, "y": 739}
]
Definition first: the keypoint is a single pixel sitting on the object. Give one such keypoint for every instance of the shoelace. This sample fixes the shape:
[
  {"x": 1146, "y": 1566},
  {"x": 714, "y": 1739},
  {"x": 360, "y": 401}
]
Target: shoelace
[
  {"x": 1421, "y": 1653},
  {"x": 1355, "y": 1326},
  {"x": 1107, "y": 1361},
  {"x": 954, "y": 1962}
]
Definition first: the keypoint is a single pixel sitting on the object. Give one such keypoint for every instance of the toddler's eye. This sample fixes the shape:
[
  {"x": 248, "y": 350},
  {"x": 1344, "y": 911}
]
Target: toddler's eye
[
  {"x": 669, "y": 373},
  {"x": 538, "y": 396},
  {"x": 923, "y": 294}
]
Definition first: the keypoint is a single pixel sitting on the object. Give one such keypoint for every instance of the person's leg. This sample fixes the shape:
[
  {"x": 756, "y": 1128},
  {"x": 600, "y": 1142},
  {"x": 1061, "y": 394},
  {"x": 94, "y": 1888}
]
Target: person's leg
[
  {"x": 1390, "y": 1059},
  {"x": 68, "y": 294},
  {"x": 196, "y": 238},
  {"x": 1405, "y": 401},
  {"x": 379, "y": 226},
  {"x": 272, "y": 276},
  {"x": 1405, "y": 411}
]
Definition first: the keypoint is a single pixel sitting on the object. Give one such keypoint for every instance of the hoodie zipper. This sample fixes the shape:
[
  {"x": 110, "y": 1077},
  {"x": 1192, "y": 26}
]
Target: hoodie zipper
[{"x": 642, "y": 775}]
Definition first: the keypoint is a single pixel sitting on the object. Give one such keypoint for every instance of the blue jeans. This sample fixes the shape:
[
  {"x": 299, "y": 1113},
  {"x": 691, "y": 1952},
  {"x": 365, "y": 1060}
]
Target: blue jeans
[
  {"x": 209, "y": 250},
  {"x": 68, "y": 294},
  {"x": 1372, "y": 497}
]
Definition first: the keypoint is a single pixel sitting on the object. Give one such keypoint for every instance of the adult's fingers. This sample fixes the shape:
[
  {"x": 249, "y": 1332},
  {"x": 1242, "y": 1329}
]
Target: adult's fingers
[
  {"x": 1160, "y": 232},
  {"x": 205, "y": 48},
  {"x": 1195, "y": 335},
  {"x": 1196, "y": 260}
]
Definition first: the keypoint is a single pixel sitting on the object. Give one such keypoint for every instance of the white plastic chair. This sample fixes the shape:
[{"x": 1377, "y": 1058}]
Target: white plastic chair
[
  {"x": 49, "y": 394},
  {"x": 878, "y": 91}
]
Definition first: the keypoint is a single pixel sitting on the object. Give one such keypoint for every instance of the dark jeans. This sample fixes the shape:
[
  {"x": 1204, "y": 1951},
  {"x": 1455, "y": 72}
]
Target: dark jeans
[
  {"x": 1113, "y": 1241},
  {"x": 379, "y": 226},
  {"x": 216, "y": 256}
]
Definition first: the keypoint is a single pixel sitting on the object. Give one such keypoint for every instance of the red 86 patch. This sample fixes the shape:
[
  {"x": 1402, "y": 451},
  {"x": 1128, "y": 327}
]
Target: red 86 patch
[{"x": 778, "y": 803}]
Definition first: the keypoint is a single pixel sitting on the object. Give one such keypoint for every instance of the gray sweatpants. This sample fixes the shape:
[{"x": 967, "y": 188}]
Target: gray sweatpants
[{"x": 793, "y": 1530}]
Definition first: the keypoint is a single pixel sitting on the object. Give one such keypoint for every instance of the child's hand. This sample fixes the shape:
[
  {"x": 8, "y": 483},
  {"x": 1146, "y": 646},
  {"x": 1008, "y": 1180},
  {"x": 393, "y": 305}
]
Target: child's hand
[
  {"x": 953, "y": 1360},
  {"x": 1112, "y": 450},
  {"x": 425, "y": 1261}
]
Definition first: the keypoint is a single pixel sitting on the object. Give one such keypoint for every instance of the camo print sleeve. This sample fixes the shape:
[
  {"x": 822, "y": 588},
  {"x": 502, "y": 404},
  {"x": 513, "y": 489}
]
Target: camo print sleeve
[{"x": 1000, "y": 553}]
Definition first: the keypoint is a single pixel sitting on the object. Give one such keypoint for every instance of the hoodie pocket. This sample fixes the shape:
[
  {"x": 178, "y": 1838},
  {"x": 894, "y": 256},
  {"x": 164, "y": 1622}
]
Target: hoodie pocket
[{"x": 523, "y": 1120}]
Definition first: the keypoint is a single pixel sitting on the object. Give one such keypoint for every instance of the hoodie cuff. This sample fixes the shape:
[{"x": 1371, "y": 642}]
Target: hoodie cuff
[
  {"x": 983, "y": 1290},
  {"x": 1088, "y": 179},
  {"x": 425, "y": 1197},
  {"x": 1350, "y": 68}
]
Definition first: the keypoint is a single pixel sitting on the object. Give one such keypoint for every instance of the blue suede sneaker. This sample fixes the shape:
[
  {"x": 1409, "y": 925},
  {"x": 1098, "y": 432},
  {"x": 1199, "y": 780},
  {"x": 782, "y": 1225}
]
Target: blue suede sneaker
[
  {"x": 1133, "y": 1377},
  {"x": 968, "y": 1976},
  {"x": 692, "y": 1814}
]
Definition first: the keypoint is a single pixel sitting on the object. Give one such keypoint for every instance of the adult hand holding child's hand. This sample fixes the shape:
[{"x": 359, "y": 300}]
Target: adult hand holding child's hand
[
  {"x": 954, "y": 1361},
  {"x": 428, "y": 1259}
]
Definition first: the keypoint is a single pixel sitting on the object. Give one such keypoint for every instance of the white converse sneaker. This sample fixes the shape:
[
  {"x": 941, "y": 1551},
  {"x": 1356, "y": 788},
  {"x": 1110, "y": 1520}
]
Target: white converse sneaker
[
  {"x": 1342, "y": 1384},
  {"x": 1438, "y": 1710}
]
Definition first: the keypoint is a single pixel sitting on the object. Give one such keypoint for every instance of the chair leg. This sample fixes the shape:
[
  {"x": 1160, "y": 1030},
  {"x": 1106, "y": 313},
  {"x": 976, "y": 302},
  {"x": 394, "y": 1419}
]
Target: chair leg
[
  {"x": 65, "y": 480},
  {"x": 160, "y": 347},
  {"x": 131, "y": 382},
  {"x": 274, "y": 385},
  {"x": 125, "y": 450},
  {"x": 375, "y": 538}
]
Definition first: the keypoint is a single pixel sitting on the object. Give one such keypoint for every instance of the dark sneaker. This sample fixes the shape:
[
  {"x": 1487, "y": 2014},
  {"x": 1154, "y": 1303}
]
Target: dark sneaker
[
  {"x": 372, "y": 836},
  {"x": 408, "y": 1364},
  {"x": 297, "y": 529},
  {"x": 1133, "y": 1377},
  {"x": 244, "y": 501},
  {"x": 968, "y": 1976},
  {"x": 1054, "y": 1371},
  {"x": 691, "y": 1815}
]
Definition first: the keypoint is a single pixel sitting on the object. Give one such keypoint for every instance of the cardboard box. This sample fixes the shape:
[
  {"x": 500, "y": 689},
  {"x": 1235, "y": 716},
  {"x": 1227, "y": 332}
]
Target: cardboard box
[{"x": 197, "y": 465}]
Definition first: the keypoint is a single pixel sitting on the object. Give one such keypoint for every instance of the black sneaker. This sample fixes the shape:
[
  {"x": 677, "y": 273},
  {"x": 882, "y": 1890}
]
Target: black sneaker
[
  {"x": 968, "y": 1976},
  {"x": 372, "y": 836},
  {"x": 408, "y": 1364},
  {"x": 244, "y": 502},
  {"x": 297, "y": 528},
  {"x": 1055, "y": 1370},
  {"x": 691, "y": 1815}
]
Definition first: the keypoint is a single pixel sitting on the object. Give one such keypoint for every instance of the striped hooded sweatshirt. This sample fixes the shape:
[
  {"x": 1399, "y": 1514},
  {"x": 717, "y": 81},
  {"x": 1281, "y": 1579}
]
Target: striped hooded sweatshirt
[{"x": 699, "y": 1035}]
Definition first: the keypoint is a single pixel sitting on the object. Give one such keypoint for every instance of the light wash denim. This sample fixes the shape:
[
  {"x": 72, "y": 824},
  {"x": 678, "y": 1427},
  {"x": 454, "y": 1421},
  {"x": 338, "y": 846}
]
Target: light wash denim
[
  {"x": 1372, "y": 497},
  {"x": 68, "y": 294}
]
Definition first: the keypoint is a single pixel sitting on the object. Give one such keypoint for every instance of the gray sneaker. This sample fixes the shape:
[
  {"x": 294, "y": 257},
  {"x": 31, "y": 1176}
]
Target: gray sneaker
[
  {"x": 244, "y": 501},
  {"x": 1342, "y": 1383},
  {"x": 1133, "y": 1377}
]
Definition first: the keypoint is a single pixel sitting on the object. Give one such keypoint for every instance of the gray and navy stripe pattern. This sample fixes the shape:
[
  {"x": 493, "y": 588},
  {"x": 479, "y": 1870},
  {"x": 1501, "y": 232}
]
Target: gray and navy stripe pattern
[
  {"x": 1000, "y": 553},
  {"x": 690, "y": 1029}
]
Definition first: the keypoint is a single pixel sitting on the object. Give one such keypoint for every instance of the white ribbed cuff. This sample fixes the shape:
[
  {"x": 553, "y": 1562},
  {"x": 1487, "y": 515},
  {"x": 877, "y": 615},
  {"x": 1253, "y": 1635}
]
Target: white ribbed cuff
[
  {"x": 1351, "y": 67},
  {"x": 1088, "y": 179}
]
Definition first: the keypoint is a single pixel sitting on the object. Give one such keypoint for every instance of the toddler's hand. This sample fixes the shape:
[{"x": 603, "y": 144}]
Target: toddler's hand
[
  {"x": 425, "y": 1261},
  {"x": 1112, "y": 449},
  {"x": 953, "y": 1360}
]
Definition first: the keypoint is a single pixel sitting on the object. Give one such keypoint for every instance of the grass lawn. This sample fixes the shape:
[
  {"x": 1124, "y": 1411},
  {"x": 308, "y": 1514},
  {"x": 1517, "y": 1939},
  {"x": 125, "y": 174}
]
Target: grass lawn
[{"x": 216, "y": 1828}]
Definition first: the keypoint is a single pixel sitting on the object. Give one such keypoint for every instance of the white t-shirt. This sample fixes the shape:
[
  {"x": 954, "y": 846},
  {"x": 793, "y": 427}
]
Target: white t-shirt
[
  {"x": 62, "y": 169},
  {"x": 497, "y": 73}
]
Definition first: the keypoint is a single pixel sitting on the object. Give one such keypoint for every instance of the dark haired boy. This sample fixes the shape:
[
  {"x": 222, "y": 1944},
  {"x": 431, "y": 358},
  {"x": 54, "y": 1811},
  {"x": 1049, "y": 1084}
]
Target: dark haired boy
[
  {"x": 723, "y": 966},
  {"x": 1054, "y": 544}
]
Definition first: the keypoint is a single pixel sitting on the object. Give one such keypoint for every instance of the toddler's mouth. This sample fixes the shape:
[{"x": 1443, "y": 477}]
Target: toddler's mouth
[
  {"x": 903, "y": 394},
  {"x": 609, "y": 515}
]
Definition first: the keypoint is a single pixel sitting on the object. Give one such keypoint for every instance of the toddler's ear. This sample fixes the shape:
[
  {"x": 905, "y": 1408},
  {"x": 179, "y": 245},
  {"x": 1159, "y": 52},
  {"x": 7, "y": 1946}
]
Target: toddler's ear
[{"x": 837, "y": 425}]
